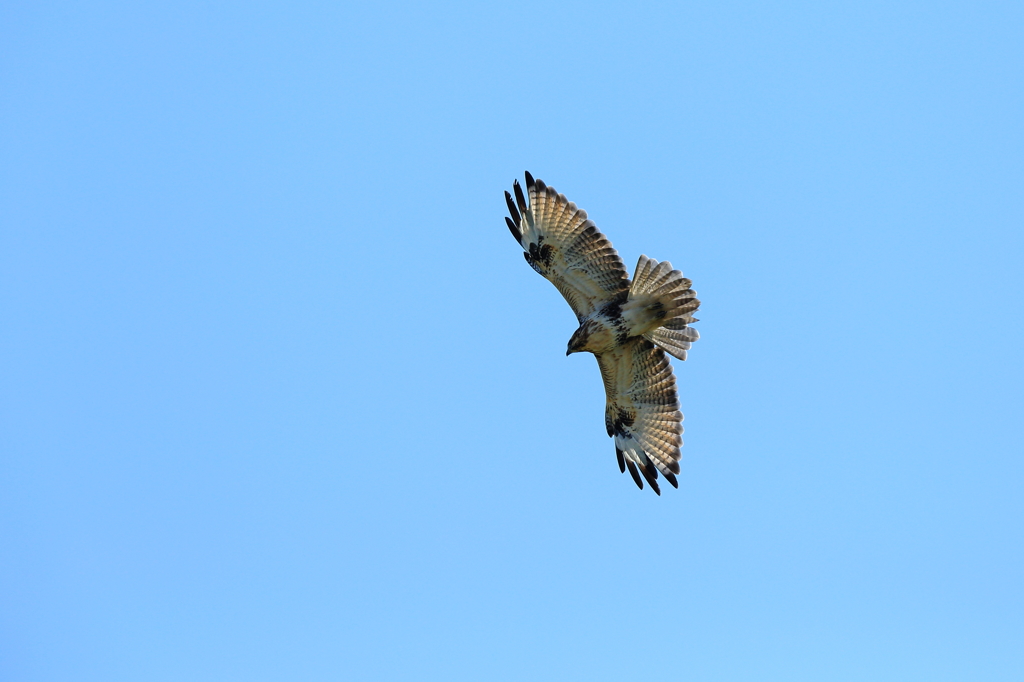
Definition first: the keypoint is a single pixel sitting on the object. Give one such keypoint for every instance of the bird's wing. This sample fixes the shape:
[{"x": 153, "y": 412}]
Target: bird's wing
[
  {"x": 642, "y": 411},
  {"x": 565, "y": 247}
]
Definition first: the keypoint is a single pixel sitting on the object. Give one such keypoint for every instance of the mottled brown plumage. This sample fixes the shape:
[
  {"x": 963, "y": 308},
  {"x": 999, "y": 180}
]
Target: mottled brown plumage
[{"x": 627, "y": 325}]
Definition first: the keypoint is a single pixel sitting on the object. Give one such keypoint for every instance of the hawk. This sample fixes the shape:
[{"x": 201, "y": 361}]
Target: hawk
[{"x": 627, "y": 325}]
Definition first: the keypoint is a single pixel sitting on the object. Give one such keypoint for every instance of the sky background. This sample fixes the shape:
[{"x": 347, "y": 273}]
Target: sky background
[{"x": 281, "y": 400}]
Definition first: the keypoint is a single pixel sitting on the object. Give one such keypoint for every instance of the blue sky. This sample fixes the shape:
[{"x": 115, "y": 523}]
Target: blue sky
[{"x": 281, "y": 399}]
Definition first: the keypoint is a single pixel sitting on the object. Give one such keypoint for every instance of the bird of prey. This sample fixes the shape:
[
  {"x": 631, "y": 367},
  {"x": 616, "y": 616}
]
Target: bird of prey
[{"x": 627, "y": 325}]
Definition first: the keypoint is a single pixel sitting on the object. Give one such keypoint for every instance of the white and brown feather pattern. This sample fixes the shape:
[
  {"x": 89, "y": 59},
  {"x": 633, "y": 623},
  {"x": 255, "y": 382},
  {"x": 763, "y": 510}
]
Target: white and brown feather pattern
[
  {"x": 642, "y": 410},
  {"x": 656, "y": 279},
  {"x": 566, "y": 247}
]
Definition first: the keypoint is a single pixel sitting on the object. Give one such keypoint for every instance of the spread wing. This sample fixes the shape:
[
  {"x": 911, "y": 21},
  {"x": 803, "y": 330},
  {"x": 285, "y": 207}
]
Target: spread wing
[
  {"x": 642, "y": 411},
  {"x": 565, "y": 247}
]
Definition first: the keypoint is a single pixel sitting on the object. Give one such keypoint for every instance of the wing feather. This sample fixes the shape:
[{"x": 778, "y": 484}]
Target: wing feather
[
  {"x": 642, "y": 410},
  {"x": 566, "y": 247}
]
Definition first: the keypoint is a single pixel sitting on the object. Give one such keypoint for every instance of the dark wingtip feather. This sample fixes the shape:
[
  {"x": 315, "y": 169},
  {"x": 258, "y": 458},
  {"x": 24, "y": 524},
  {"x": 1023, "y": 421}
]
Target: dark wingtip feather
[
  {"x": 671, "y": 478},
  {"x": 622, "y": 461},
  {"x": 635, "y": 474},
  {"x": 520, "y": 199},
  {"x": 651, "y": 474},
  {"x": 529, "y": 179},
  {"x": 512, "y": 209},
  {"x": 514, "y": 230}
]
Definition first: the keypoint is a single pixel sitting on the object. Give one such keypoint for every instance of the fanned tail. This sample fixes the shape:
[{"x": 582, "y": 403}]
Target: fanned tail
[{"x": 668, "y": 295}]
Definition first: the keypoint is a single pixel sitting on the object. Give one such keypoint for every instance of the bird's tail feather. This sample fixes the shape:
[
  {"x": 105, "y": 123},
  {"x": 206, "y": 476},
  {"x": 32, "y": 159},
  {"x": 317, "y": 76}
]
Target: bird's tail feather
[{"x": 664, "y": 293}]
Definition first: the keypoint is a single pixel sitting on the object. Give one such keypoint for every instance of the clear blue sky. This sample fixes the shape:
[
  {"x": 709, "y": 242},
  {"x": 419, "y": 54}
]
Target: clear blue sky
[{"x": 281, "y": 400}]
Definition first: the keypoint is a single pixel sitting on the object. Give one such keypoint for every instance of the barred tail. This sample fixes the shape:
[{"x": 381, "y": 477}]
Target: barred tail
[{"x": 678, "y": 302}]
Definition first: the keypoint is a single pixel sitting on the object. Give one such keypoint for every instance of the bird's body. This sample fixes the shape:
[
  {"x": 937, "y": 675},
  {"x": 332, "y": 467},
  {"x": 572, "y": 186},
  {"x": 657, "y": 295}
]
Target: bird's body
[{"x": 627, "y": 325}]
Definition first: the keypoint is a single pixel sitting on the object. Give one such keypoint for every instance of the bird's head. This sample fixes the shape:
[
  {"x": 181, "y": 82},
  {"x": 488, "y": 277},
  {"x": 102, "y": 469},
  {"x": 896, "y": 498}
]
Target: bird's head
[{"x": 578, "y": 342}]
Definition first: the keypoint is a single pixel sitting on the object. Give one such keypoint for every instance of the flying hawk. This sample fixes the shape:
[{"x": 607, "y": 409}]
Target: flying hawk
[{"x": 628, "y": 326}]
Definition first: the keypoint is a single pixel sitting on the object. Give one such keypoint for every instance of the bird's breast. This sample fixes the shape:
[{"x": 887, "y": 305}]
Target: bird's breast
[{"x": 603, "y": 336}]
